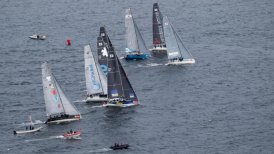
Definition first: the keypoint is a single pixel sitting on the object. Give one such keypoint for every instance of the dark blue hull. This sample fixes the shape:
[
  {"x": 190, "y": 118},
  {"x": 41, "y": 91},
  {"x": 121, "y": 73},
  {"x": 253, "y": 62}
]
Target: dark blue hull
[{"x": 136, "y": 56}]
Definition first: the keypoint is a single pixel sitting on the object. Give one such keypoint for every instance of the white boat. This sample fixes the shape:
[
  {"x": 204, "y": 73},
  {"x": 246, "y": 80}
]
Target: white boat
[
  {"x": 159, "y": 45},
  {"x": 28, "y": 131},
  {"x": 38, "y": 37},
  {"x": 96, "y": 81},
  {"x": 177, "y": 53},
  {"x": 58, "y": 108}
]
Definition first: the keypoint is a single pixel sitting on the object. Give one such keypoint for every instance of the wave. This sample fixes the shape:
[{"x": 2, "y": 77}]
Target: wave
[{"x": 100, "y": 150}]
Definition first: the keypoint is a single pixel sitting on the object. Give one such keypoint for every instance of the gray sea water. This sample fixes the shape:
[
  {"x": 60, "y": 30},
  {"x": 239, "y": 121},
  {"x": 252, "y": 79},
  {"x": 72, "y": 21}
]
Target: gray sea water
[{"x": 222, "y": 104}]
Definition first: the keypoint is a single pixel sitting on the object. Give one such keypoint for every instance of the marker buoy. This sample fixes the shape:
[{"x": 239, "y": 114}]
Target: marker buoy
[{"x": 68, "y": 41}]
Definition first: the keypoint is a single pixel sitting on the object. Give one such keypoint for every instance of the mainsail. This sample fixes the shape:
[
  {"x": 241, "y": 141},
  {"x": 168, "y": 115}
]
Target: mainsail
[
  {"x": 96, "y": 81},
  {"x": 118, "y": 83},
  {"x": 104, "y": 35},
  {"x": 157, "y": 26},
  {"x": 102, "y": 54},
  {"x": 134, "y": 38},
  {"x": 55, "y": 99},
  {"x": 175, "y": 46}
]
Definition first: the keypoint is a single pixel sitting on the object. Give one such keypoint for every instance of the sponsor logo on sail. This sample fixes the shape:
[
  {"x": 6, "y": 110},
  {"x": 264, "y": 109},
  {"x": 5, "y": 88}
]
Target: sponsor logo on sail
[
  {"x": 104, "y": 69},
  {"x": 173, "y": 53},
  {"x": 104, "y": 52},
  {"x": 95, "y": 85},
  {"x": 114, "y": 93},
  {"x": 131, "y": 95}
]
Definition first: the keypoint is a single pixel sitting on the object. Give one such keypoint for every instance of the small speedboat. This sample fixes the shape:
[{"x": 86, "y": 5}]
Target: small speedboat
[
  {"x": 27, "y": 131},
  {"x": 72, "y": 135},
  {"x": 38, "y": 37},
  {"x": 119, "y": 146}
]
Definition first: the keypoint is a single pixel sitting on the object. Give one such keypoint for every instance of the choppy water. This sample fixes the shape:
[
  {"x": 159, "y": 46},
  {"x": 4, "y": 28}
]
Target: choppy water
[{"x": 222, "y": 104}]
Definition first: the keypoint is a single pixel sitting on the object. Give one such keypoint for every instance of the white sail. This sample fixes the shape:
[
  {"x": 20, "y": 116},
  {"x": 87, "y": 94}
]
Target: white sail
[
  {"x": 175, "y": 46},
  {"x": 96, "y": 81},
  {"x": 131, "y": 38},
  {"x": 55, "y": 99}
]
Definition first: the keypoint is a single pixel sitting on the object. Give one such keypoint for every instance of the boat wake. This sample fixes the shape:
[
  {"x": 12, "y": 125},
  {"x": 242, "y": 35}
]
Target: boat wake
[
  {"x": 150, "y": 65},
  {"x": 98, "y": 106},
  {"x": 79, "y": 101},
  {"x": 48, "y": 138},
  {"x": 100, "y": 150},
  {"x": 36, "y": 122}
]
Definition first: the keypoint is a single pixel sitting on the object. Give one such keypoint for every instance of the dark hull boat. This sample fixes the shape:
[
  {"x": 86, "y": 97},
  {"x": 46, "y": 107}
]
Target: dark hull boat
[
  {"x": 120, "y": 91},
  {"x": 119, "y": 147},
  {"x": 159, "y": 45}
]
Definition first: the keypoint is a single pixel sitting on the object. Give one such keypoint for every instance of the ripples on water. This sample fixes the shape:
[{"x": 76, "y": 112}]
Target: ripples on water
[{"x": 222, "y": 104}]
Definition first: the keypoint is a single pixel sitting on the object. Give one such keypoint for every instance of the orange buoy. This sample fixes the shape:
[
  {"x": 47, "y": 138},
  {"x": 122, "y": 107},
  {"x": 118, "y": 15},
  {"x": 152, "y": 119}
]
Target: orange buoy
[{"x": 68, "y": 41}]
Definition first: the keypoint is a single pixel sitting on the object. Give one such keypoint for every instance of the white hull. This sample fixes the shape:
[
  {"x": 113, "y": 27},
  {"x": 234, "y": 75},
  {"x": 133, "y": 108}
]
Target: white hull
[
  {"x": 41, "y": 37},
  {"x": 158, "y": 49},
  {"x": 28, "y": 131},
  {"x": 96, "y": 99},
  {"x": 185, "y": 61},
  {"x": 62, "y": 121}
]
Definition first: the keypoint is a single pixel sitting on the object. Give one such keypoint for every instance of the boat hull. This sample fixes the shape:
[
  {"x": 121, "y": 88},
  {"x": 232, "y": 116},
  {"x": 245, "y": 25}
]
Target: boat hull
[
  {"x": 28, "y": 131},
  {"x": 96, "y": 99},
  {"x": 63, "y": 121},
  {"x": 136, "y": 56},
  {"x": 183, "y": 62},
  {"x": 121, "y": 104},
  {"x": 37, "y": 38}
]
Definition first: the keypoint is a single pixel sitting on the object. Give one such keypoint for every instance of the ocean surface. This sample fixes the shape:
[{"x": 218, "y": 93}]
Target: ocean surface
[{"x": 222, "y": 104}]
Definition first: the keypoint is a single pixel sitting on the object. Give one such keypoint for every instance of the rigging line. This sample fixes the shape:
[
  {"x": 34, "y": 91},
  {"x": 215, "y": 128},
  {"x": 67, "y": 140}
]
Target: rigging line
[{"x": 181, "y": 41}]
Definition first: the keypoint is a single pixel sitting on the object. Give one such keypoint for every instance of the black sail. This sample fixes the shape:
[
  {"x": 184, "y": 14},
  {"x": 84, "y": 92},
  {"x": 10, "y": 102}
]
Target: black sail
[
  {"x": 102, "y": 54},
  {"x": 104, "y": 35},
  {"x": 118, "y": 83},
  {"x": 157, "y": 26}
]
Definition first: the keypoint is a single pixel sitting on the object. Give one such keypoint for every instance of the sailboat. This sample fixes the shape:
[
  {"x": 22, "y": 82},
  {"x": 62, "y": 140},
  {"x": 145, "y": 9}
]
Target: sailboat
[
  {"x": 96, "y": 81},
  {"x": 136, "y": 47},
  {"x": 176, "y": 51},
  {"x": 120, "y": 91},
  {"x": 58, "y": 108},
  {"x": 159, "y": 45}
]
